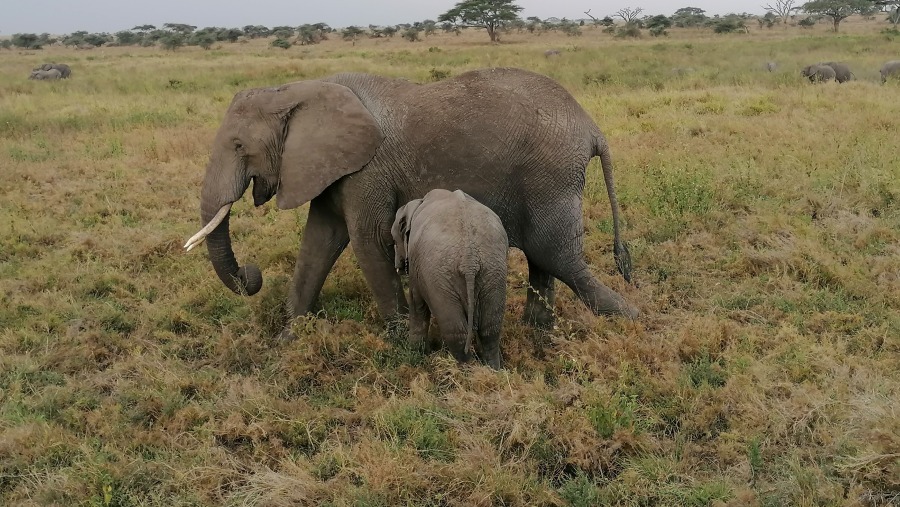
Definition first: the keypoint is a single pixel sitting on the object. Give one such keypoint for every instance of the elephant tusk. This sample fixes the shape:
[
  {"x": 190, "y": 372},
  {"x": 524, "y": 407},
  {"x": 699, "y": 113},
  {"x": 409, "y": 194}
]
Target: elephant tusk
[{"x": 198, "y": 238}]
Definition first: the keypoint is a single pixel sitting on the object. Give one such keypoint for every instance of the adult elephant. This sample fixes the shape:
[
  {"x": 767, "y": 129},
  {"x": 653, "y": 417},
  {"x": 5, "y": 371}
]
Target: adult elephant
[
  {"x": 63, "y": 69},
  {"x": 358, "y": 146},
  {"x": 889, "y": 70},
  {"x": 842, "y": 72}
]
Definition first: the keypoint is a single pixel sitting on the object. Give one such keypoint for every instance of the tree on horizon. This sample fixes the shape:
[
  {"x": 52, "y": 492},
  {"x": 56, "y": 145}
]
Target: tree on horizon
[{"x": 488, "y": 14}]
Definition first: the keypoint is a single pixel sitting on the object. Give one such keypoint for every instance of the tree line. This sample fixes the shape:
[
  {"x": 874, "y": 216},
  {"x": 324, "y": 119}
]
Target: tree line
[{"x": 496, "y": 17}]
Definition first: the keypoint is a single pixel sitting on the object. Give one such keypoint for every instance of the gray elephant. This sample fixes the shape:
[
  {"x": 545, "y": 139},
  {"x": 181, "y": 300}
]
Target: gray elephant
[
  {"x": 356, "y": 146},
  {"x": 552, "y": 52},
  {"x": 63, "y": 69},
  {"x": 842, "y": 72},
  {"x": 890, "y": 69},
  {"x": 818, "y": 73},
  {"x": 454, "y": 249},
  {"x": 45, "y": 74},
  {"x": 771, "y": 66}
]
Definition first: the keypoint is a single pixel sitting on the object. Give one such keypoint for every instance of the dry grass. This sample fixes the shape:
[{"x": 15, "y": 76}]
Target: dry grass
[{"x": 764, "y": 218}]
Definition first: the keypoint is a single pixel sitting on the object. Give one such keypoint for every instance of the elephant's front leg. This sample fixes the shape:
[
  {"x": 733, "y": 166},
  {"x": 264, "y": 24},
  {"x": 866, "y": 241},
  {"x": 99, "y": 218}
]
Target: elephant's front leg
[
  {"x": 324, "y": 238},
  {"x": 372, "y": 245},
  {"x": 540, "y": 299}
]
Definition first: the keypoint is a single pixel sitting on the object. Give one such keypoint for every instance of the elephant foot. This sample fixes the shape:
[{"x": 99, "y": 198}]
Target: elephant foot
[{"x": 287, "y": 334}]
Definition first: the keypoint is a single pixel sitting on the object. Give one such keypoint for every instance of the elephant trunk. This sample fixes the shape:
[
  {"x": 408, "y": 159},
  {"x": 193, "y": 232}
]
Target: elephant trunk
[{"x": 246, "y": 280}]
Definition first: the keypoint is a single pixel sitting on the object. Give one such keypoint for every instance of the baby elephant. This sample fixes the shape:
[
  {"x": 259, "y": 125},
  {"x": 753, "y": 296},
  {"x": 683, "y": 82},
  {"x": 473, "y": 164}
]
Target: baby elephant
[
  {"x": 45, "y": 74},
  {"x": 818, "y": 73},
  {"x": 454, "y": 250}
]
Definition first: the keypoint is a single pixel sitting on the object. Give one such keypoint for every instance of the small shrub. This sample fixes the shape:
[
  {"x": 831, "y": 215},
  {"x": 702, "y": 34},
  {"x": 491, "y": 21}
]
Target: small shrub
[
  {"x": 411, "y": 34},
  {"x": 438, "y": 74},
  {"x": 629, "y": 30},
  {"x": 596, "y": 78},
  {"x": 281, "y": 43},
  {"x": 580, "y": 491},
  {"x": 807, "y": 22}
]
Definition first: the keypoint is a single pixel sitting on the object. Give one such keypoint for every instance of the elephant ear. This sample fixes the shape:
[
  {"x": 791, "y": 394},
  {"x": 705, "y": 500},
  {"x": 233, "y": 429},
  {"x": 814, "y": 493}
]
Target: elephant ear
[
  {"x": 328, "y": 135},
  {"x": 400, "y": 232}
]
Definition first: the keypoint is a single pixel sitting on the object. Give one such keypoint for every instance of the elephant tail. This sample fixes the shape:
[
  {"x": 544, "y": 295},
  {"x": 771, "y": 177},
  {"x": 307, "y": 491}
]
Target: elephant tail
[
  {"x": 469, "y": 276},
  {"x": 620, "y": 249}
]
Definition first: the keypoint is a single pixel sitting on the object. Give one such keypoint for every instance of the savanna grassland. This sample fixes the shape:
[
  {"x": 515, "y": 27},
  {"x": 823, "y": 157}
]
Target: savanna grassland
[{"x": 763, "y": 215}]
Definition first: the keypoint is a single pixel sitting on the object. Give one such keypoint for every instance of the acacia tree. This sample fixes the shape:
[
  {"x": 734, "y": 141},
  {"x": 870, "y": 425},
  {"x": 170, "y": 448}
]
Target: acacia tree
[
  {"x": 629, "y": 14},
  {"x": 781, "y": 8},
  {"x": 837, "y": 10},
  {"x": 488, "y": 14},
  {"x": 687, "y": 17}
]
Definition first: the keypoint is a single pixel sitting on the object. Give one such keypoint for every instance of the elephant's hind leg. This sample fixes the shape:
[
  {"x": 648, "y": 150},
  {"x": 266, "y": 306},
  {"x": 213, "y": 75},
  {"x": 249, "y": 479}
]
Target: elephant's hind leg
[
  {"x": 324, "y": 238},
  {"x": 451, "y": 320},
  {"x": 419, "y": 319},
  {"x": 565, "y": 261},
  {"x": 491, "y": 307}
]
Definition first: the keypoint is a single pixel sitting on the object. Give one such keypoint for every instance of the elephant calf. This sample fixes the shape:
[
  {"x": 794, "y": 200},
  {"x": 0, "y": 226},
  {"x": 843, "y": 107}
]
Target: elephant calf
[
  {"x": 454, "y": 249},
  {"x": 45, "y": 74},
  {"x": 890, "y": 69},
  {"x": 818, "y": 73}
]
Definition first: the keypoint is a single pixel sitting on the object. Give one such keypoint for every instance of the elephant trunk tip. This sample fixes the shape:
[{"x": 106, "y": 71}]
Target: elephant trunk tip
[{"x": 248, "y": 280}]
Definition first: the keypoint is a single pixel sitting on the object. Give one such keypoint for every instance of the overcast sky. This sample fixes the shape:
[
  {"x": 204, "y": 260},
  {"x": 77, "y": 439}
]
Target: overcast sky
[{"x": 66, "y": 16}]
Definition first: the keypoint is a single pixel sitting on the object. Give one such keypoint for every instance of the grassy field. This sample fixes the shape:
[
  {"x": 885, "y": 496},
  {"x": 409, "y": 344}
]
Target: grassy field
[{"x": 763, "y": 215}]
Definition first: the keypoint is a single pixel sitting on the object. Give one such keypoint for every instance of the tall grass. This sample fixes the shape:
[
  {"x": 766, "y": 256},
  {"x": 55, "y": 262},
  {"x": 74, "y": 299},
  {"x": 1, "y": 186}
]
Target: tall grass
[{"x": 763, "y": 217}]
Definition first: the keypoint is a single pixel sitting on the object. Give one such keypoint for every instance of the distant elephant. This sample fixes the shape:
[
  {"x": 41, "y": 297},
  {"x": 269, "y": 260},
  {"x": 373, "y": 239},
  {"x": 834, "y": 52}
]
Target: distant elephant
[
  {"x": 63, "y": 69},
  {"x": 552, "y": 52},
  {"x": 890, "y": 69},
  {"x": 818, "y": 73},
  {"x": 45, "y": 74},
  {"x": 771, "y": 66},
  {"x": 454, "y": 249},
  {"x": 357, "y": 146},
  {"x": 841, "y": 71}
]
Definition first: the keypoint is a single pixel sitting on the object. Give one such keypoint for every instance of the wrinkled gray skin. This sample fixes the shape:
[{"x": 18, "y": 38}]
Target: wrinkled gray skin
[
  {"x": 890, "y": 69},
  {"x": 454, "y": 250},
  {"x": 818, "y": 73},
  {"x": 357, "y": 146},
  {"x": 45, "y": 74},
  {"x": 63, "y": 69},
  {"x": 841, "y": 71}
]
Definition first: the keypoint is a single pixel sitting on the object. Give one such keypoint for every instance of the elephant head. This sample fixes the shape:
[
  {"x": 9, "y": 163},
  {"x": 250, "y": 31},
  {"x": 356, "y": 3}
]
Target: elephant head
[
  {"x": 400, "y": 233},
  {"x": 292, "y": 141}
]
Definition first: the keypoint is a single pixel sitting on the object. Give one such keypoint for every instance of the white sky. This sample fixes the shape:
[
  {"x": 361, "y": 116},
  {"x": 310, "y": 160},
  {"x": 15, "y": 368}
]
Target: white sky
[{"x": 66, "y": 16}]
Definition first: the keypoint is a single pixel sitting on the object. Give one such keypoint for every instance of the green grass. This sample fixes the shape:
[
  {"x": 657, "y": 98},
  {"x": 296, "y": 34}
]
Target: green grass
[{"x": 763, "y": 219}]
